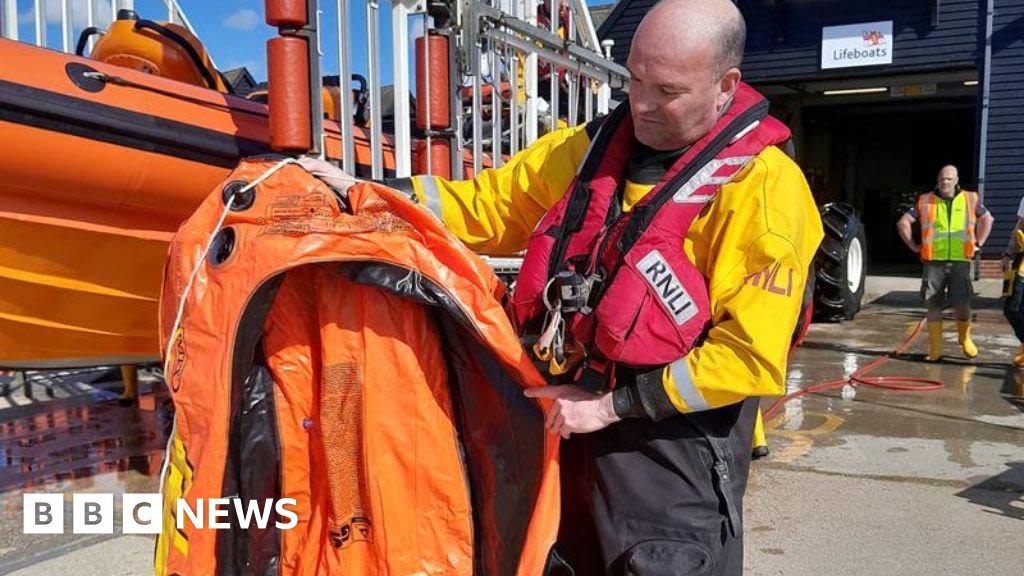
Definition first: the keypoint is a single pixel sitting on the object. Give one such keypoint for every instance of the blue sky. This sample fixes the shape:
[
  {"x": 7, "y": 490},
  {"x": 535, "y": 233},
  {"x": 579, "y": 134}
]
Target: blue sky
[
  {"x": 234, "y": 31},
  {"x": 236, "y": 34}
]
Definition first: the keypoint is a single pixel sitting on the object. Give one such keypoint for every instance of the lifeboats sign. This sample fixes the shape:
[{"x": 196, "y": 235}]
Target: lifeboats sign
[{"x": 867, "y": 44}]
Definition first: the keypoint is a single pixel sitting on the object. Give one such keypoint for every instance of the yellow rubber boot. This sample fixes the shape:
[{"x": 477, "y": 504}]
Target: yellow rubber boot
[
  {"x": 130, "y": 377},
  {"x": 963, "y": 330},
  {"x": 760, "y": 443},
  {"x": 934, "y": 341},
  {"x": 1018, "y": 360}
]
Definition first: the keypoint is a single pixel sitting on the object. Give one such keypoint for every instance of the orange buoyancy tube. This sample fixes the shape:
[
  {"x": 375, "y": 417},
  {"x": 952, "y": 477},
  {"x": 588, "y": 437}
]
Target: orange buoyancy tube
[{"x": 353, "y": 356}]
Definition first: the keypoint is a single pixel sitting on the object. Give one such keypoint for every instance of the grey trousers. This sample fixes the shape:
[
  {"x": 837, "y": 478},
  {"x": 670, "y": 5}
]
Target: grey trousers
[{"x": 946, "y": 283}]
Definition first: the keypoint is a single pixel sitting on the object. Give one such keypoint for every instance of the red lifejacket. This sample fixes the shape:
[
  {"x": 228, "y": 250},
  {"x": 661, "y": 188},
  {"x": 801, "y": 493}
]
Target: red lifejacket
[{"x": 647, "y": 303}]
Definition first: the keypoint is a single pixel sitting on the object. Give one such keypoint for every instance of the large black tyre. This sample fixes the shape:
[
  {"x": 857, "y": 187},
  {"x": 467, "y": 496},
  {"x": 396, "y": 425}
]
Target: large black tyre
[{"x": 840, "y": 265}]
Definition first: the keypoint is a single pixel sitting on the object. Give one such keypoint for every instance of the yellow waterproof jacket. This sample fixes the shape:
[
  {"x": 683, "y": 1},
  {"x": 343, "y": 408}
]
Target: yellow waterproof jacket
[{"x": 754, "y": 244}]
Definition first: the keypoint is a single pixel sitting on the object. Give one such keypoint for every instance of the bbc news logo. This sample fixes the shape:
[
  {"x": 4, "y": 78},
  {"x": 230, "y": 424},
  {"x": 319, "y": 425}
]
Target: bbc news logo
[{"x": 143, "y": 513}]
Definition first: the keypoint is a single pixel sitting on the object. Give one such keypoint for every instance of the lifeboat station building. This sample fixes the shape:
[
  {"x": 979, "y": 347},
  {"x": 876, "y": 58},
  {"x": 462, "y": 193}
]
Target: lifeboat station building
[{"x": 880, "y": 94}]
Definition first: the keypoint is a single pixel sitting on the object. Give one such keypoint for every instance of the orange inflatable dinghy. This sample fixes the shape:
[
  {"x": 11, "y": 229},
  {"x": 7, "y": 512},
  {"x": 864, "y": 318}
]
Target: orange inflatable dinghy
[{"x": 352, "y": 356}]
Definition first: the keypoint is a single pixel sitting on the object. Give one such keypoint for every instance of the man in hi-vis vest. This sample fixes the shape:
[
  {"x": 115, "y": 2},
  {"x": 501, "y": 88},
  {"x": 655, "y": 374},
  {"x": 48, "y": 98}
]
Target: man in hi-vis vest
[{"x": 954, "y": 225}]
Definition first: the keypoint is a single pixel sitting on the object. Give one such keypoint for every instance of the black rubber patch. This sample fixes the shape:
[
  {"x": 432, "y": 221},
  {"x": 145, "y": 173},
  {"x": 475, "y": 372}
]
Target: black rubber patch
[
  {"x": 243, "y": 200},
  {"x": 667, "y": 558},
  {"x": 77, "y": 72},
  {"x": 222, "y": 247}
]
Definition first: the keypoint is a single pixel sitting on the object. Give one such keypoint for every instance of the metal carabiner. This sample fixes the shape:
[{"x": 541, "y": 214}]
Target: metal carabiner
[{"x": 551, "y": 332}]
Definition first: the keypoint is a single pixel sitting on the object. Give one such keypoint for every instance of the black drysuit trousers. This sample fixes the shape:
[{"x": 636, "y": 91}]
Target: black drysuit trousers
[
  {"x": 1013, "y": 306},
  {"x": 658, "y": 498}
]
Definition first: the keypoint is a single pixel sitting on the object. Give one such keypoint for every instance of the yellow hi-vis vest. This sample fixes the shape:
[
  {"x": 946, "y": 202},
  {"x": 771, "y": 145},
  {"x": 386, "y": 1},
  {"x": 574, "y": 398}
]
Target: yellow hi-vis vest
[{"x": 947, "y": 229}]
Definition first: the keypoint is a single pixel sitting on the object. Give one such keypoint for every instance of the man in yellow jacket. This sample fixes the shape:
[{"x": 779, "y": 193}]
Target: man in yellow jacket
[
  {"x": 654, "y": 472},
  {"x": 954, "y": 225}
]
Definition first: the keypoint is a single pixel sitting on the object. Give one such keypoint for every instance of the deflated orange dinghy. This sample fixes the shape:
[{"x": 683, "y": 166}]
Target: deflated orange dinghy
[{"x": 353, "y": 356}]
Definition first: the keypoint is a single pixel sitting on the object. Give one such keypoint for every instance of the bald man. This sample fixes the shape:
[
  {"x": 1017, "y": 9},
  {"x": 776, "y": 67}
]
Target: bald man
[
  {"x": 954, "y": 225},
  {"x": 668, "y": 248}
]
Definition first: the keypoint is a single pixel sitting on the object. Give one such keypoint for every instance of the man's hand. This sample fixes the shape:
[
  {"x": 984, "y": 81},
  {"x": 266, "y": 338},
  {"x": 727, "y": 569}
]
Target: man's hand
[
  {"x": 335, "y": 177},
  {"x": 574, "y": 410},
  {"x": 915, "y": 248}
]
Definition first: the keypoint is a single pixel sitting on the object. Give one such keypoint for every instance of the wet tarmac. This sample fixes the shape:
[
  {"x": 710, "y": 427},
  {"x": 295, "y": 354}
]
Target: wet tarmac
[
  {"x": 884, "y": 482},
  {"x": 891, "y": 482},
  {"x": 967, "y": 432}
]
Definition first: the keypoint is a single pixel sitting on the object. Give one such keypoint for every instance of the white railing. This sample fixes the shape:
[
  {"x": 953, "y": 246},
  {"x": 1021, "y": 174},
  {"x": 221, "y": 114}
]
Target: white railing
[
  {"x": 493, "y": 40},
  {"x": 71, "y": 17}
]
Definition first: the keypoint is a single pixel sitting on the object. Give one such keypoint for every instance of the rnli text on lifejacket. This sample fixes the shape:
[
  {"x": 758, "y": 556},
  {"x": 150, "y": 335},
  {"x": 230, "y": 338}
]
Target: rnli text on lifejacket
[{"x": 667, "y": 287}]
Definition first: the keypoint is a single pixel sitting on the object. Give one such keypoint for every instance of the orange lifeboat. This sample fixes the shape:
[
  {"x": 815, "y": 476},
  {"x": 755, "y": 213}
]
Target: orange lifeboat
[{"x": 101, "y": 161}]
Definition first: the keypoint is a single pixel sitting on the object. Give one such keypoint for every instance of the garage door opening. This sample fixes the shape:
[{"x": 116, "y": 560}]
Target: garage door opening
[{"x": 880, "y": 156}]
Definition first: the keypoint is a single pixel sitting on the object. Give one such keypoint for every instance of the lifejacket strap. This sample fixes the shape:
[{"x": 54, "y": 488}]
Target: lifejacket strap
[{"x": 644, "y": 213}]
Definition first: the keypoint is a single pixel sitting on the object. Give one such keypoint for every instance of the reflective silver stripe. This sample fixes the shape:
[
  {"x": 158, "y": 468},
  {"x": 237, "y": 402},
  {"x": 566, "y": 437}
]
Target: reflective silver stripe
[
  {"x": 432, "y": 195},
  {"x": 967, "y": 217},
  {"x": 927, "y": 223},
  {"x": 706, "y": 176},
  {"x": 684, "y": 385},
  {"x": 699, "y": 199}
]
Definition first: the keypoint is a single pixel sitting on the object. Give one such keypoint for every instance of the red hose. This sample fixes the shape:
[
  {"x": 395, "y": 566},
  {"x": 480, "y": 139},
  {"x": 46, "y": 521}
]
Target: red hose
[{"x": 859, "y": 377}]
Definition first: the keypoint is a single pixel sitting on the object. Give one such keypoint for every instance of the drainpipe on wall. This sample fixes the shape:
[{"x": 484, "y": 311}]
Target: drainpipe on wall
[
  {"x": 984, "y": 85},
  {"x": 986, "y": 77}
]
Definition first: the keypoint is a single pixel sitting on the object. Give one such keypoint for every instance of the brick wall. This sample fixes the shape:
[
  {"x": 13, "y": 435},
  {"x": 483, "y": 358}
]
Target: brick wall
[{"x": 990, "y": 268}]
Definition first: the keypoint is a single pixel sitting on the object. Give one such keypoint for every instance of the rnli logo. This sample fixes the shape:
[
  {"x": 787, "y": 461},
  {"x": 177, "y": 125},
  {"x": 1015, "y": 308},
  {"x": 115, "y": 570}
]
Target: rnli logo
[
  {"x": 667, "y": 287},
  {"x": 769, "y": 280},
  {"x": 872, "y": 37}
]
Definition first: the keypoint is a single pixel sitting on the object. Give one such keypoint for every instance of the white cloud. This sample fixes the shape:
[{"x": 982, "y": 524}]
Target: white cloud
[{"x": 243, "y": 19}]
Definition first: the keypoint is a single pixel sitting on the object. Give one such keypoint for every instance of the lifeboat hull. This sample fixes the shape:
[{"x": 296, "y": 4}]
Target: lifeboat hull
[{"x": 95, "y": 178}]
